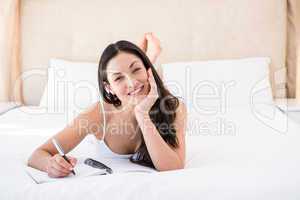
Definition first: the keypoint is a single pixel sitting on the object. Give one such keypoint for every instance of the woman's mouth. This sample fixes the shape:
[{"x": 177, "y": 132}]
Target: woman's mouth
[{"x": 136, "y": 91}]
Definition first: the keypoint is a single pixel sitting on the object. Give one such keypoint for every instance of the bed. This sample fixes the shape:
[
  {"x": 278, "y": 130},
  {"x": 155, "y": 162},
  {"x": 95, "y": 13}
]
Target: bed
[
  {"x": 248, "y": 149},
  {"x": 257, "y": 162},
  {"x": 253, "y": 155}
]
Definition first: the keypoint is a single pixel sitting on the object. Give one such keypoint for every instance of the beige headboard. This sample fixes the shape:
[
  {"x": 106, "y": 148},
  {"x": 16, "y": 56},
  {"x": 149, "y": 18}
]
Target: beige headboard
[{"x": 188, "y": 30}]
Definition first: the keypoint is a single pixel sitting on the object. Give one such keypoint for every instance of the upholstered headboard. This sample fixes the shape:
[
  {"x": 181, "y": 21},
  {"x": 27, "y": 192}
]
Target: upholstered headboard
[{"x": 188, "y": 30}]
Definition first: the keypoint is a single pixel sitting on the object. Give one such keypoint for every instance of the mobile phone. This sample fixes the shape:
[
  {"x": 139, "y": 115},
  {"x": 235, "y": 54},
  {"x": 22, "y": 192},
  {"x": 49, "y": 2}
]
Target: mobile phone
[{"x": 96, "y": 164}]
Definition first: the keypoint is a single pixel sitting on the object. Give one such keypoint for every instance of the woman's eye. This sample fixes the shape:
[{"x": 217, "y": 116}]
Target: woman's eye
[
  {"x": 119, "y": 78},
  {"x": 137, "y": 69}
]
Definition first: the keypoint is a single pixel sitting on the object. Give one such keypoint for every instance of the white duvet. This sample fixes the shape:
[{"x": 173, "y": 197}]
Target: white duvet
[{"x": 259, "y": 159}]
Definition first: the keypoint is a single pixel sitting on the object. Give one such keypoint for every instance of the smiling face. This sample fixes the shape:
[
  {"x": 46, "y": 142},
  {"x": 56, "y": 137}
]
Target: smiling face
[{"x": 128, "y": 78}]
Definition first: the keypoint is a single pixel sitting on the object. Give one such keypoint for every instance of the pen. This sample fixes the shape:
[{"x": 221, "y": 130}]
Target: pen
[{"x": 61, "y": 152}]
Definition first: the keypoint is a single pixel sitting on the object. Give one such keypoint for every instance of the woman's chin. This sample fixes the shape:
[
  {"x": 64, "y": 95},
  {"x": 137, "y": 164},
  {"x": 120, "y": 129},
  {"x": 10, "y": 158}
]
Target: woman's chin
[{"x": 134, "y": 100}]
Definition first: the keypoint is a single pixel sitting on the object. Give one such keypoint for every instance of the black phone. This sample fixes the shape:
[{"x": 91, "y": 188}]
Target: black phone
[{"x": 96, "y": 164}]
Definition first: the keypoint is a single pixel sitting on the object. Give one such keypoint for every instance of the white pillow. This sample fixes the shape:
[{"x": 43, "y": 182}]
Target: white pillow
[
  {"x": 211, "y": 87},
  {"x": 74, "y": 84},
  {"x": 70, "y": 85}
]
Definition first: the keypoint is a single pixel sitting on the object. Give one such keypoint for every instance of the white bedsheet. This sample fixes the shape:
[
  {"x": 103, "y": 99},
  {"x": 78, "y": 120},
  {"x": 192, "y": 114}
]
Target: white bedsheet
[{"x": 255, "y": 162}]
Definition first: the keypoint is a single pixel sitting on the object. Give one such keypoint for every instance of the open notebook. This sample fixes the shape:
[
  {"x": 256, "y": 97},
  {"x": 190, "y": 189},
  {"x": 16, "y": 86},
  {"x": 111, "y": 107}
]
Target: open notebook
[{"x": 83, "y": 170}]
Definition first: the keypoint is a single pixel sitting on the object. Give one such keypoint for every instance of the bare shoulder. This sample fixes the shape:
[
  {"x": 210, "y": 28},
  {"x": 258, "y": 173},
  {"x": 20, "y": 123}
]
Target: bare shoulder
[
  {"x": 87, "y": 122},
  {"x": 93, "y": 112},
  {"x": 93, "y": 117}
]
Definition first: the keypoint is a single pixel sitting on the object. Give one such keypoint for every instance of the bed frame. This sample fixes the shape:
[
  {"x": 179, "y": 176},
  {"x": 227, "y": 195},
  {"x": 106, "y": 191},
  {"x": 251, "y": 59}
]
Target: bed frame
[{"x": 199, "y": 30}]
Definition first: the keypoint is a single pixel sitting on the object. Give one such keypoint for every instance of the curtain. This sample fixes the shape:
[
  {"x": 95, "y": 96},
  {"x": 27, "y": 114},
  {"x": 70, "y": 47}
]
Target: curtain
[
  {"x": 10, "y": 63},
  {"x": 293, "y": 49}
]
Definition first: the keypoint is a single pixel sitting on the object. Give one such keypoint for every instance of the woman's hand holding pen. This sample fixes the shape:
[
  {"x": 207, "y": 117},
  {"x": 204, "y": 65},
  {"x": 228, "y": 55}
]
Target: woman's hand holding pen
[{"x": 58, "y": 167}]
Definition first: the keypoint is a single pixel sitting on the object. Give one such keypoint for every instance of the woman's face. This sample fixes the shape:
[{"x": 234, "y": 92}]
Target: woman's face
[{"x": 128, "y": 78}]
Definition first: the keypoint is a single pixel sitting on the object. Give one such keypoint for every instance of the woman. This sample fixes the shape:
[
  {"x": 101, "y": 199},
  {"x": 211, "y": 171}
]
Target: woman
[{"x": 135, "y": 97}]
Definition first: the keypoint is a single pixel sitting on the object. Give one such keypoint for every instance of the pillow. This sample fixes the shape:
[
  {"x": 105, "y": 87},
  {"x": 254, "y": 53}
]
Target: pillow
[
  {"x": 211, "y": 87},
  {"x": 70, "y": 85},
  {"x": 205, "y": 86},
  {"x": 7, "y": 106}
]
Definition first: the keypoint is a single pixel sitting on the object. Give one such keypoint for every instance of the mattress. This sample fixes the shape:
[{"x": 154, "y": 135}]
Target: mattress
[{"x": 257, "y": 160}]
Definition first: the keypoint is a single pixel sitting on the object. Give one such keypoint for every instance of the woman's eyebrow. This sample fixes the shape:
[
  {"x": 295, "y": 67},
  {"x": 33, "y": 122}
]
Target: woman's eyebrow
[
  {"x": 133, "y": 63},
  {"x": 117, "y": 73}
]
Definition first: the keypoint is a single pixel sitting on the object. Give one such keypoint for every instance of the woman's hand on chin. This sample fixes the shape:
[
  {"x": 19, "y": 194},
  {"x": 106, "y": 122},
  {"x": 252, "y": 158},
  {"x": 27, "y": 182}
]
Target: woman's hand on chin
[{"x": 145, "y": 105}]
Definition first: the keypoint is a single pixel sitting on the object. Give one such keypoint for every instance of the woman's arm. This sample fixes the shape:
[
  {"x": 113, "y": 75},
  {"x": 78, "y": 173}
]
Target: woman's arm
[
  {"x": 86, "y": 122},
  {"x": 163, "y": 156}
]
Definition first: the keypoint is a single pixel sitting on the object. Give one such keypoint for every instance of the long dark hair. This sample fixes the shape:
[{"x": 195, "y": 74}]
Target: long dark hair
[{"x": 162, "y": 113}]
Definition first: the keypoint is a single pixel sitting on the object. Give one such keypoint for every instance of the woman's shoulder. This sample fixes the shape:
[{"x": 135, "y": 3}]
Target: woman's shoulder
[
  {"x": 97, "y": 109},
  {"x": 93, "y": 111},
  {"x": 94, "y": 116}
]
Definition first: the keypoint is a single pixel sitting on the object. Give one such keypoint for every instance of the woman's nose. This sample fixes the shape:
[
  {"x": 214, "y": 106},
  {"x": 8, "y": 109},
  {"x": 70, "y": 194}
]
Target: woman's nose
[{"x": 131, "y": 82}]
